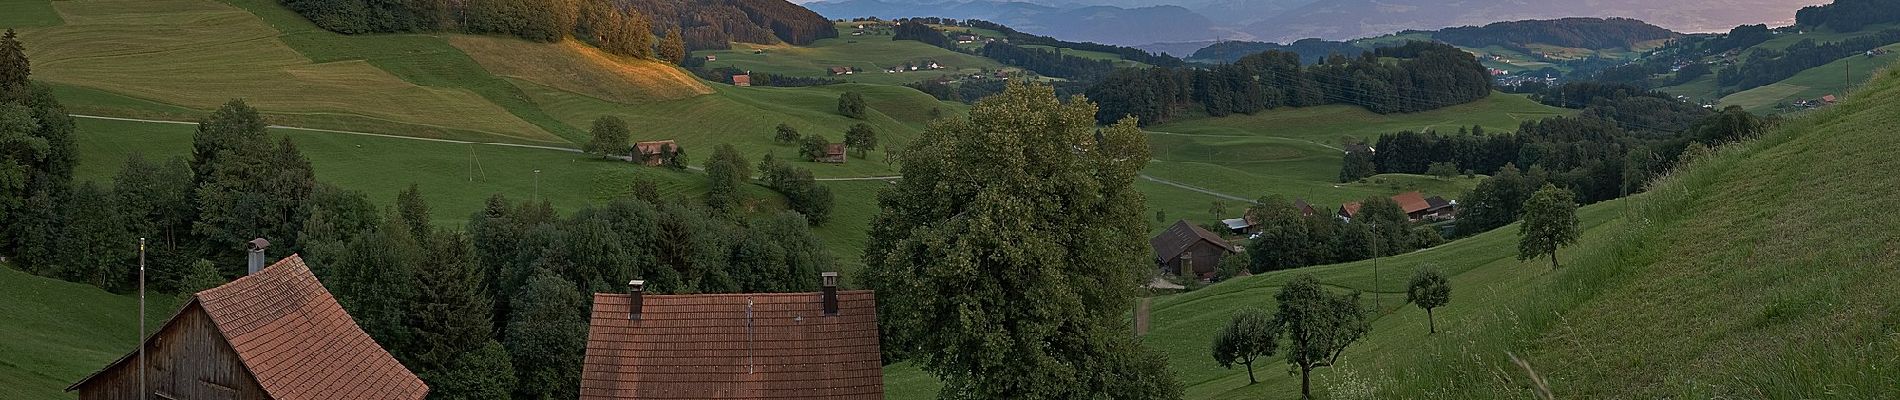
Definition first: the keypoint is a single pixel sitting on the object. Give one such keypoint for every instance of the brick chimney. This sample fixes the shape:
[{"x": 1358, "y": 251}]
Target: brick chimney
[
  {"x": 830, "y": 280},
  {"x": 634, "y": 290},
  {"x": 256, "y": 261}
]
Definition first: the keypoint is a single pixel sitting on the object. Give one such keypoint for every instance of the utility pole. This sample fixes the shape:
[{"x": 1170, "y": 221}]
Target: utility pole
[
  {"x": 141, "y": 339},
  {"x": 537, "y": 185}
]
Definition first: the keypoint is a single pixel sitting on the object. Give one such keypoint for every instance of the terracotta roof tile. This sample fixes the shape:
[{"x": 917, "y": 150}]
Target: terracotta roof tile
[
  {"x": 299, "y": 343},
  {"x": 1411, "y": 202},
  {"x": 705, "y": 346}
]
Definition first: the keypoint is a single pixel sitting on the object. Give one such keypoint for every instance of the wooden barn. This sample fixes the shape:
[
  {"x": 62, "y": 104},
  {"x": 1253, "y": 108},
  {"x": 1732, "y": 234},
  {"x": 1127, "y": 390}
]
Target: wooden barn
[
  {"x": 834, "y": 153},
  {"x": 654, "y": 153},
  {"x": 275, "y": 334},
  {"x": 1188, "y": 250},
  {"x": 820, "y": 345}
]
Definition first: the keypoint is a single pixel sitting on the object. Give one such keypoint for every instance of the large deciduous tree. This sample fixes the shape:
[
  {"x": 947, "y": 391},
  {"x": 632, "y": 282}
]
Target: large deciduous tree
[
  {"x": 609, "y": 137},
  {"x": 862, "y": 137},
  {"x": 851, "y": 104},
  {"x": 246, "y": 187},
  {"x": 1550, "y": 222},
  {"x": 1318, "y": 326},
  {"x": 1429, "y": 290},
  {"x": 727, "y": 170},
  {"x": 1247, "y": 337},
  {"x": 1008, "y": 256}
]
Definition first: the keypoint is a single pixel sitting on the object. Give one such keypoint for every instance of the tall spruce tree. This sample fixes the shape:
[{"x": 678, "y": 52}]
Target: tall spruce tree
[
  {"x": 547, "y": 336},
  {"x": 449, "y": 321},
  {"x": 1008, "y": 255}
]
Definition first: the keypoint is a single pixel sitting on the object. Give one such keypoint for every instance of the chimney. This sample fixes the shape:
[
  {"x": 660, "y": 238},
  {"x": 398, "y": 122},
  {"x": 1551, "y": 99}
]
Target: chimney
[
  {"x": 634, "y": 290},
  {"x": 831, "y": 292},
  {"x": 256, "y": 261}
]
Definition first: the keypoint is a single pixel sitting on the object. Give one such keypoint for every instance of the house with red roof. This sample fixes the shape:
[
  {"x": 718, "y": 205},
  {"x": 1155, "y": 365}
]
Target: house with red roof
[
  {"x": 1415, "y": 205},
  {"x": 656, "y": 152},
  {"x": 834, "y": 153},
  {"x": 274, "y": 334},
  {"x": 821, "y": 345}
]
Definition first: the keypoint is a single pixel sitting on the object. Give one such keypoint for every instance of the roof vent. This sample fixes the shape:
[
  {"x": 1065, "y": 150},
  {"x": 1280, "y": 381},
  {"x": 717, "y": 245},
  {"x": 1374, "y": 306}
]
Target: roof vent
[
  {"x": 634, "y": 289},
  {"x": 830, "y": 280},
  {"x": 256, "y": 247}
]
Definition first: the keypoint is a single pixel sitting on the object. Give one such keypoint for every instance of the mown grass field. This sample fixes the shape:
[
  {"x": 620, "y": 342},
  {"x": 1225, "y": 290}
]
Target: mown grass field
[
  {"x": 870, "y": 53},
  {"x": 58, "y": 332},
  {"x": 23, "y": 14},
  {"x": 1813, "y": 83},
  {"x": 1753, "y": 273},
  {"x": 1296, "y": 152},
  {"x": 198, "y": 54}
]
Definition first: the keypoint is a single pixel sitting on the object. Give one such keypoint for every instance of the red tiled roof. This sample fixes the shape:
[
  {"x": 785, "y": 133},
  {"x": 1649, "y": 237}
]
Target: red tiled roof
[
  {"x": 1411, "y": 202},
  {"x": 834, "y": 149},
  {"x": 1350, "y": 209},
  {"x": 299, "y": 343},
  {"x": 711, "y": 346},
  {"x": 742, "y": 80}
]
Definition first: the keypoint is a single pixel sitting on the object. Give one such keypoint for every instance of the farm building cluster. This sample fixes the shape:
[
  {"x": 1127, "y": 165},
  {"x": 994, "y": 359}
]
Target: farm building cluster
[
  {"x": 1189, "y": 250},
  {"x": 278, "y": 333}
]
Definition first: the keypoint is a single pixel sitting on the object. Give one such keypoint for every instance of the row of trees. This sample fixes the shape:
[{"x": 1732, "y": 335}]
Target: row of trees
[
  {"x": 1315, "y": 326},
  {"x": 1849, "y": 15},
  {"x": 625, "y": 28},
  {"x": 1288, "y": 239},
  {"x": 1767, "y": 66},
  {"x": 1426, "y": 76}
]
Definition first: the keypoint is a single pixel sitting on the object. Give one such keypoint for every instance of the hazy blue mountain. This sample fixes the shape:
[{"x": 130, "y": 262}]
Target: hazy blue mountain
[{"x": 1347, "y": 19}]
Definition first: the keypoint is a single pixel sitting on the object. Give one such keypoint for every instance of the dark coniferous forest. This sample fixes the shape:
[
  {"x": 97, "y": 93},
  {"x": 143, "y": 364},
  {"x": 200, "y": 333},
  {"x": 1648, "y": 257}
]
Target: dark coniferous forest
[{"x": 1416, "y": 76}]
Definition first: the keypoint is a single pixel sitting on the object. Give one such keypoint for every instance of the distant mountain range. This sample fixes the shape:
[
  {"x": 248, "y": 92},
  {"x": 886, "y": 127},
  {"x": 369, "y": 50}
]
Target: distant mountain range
[{"x": 1143, "y": 22}]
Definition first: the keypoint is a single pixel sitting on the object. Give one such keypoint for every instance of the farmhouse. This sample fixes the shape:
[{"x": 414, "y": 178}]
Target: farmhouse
[
  {"x": 1186, "y": 249},
  {"x": 274, "y": 334},
  {"x": 733, "y": 346},
  {"x": 1415, "y": 205},
  {"x": 840, "y": 70},
  {"x": 742, "y": 80},
  {"x": 654, "y": 153},
  {"x": 834, "y": 153}
]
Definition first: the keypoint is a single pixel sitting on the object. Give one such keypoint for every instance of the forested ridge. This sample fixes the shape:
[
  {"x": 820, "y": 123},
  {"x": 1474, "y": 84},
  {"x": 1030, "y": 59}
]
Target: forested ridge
[
  {"x": 703, "y": 24},
  {"x": 1416, "y": 76},
  {"x": 1583, "y": 33}
]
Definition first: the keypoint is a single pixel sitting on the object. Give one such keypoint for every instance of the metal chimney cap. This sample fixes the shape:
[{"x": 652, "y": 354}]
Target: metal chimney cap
[
  {"x": 258, "y": 244},
  {"x": 637, "y": 284}
]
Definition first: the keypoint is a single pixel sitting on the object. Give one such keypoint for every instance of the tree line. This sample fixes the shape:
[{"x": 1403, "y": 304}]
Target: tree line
[
  {"x": 1766, "y": 66},
  {"x": 1584, "y": 33},
  {"x": 1848, "y": 15},
  {"x": 1287, "y": 238},
  {"x": 1425, "y": 76},
  {"x": 1623, "y": 137},
  {"x": 627, "y": 28},
  {"x": 1010, "y": 49}
]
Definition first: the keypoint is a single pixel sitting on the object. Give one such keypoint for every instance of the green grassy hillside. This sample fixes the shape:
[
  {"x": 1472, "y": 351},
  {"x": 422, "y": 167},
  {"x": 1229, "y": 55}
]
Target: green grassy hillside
[
  {"x": 1758, "y": 272},
  {"x": 58, "y": 332},
  {"x": 1813, "y": 83},
  {"x": 1296, "y": 152},
  {"x": 869, "y": 53}
]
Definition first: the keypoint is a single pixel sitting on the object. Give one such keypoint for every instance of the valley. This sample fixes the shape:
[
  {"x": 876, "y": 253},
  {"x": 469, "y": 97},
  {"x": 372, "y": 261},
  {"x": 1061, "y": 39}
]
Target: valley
[{"x": 1696, "y": 230}]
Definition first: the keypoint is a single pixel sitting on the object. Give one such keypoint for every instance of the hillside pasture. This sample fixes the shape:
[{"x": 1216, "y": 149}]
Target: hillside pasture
[
  {"x": 1813, "y": 83},
  {"x": 870, "y": 54},
  {"x": 198, "y": 54},
  {"x": 59, "y": 332},
  {"x": 28, "y": 13},
  {"x": 579, "y": 68}
]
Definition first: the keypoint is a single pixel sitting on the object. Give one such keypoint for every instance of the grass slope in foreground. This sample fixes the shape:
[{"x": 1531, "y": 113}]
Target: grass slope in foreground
[
  {"x": 58, "y": 332},
  {"x": 1757, "y": 272}
]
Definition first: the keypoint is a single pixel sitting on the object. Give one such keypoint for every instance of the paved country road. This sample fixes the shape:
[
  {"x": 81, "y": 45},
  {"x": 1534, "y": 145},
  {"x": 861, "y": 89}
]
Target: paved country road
[
  {"x": 1195, "y": 189},
  {"x": 529, "y": 146}
]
